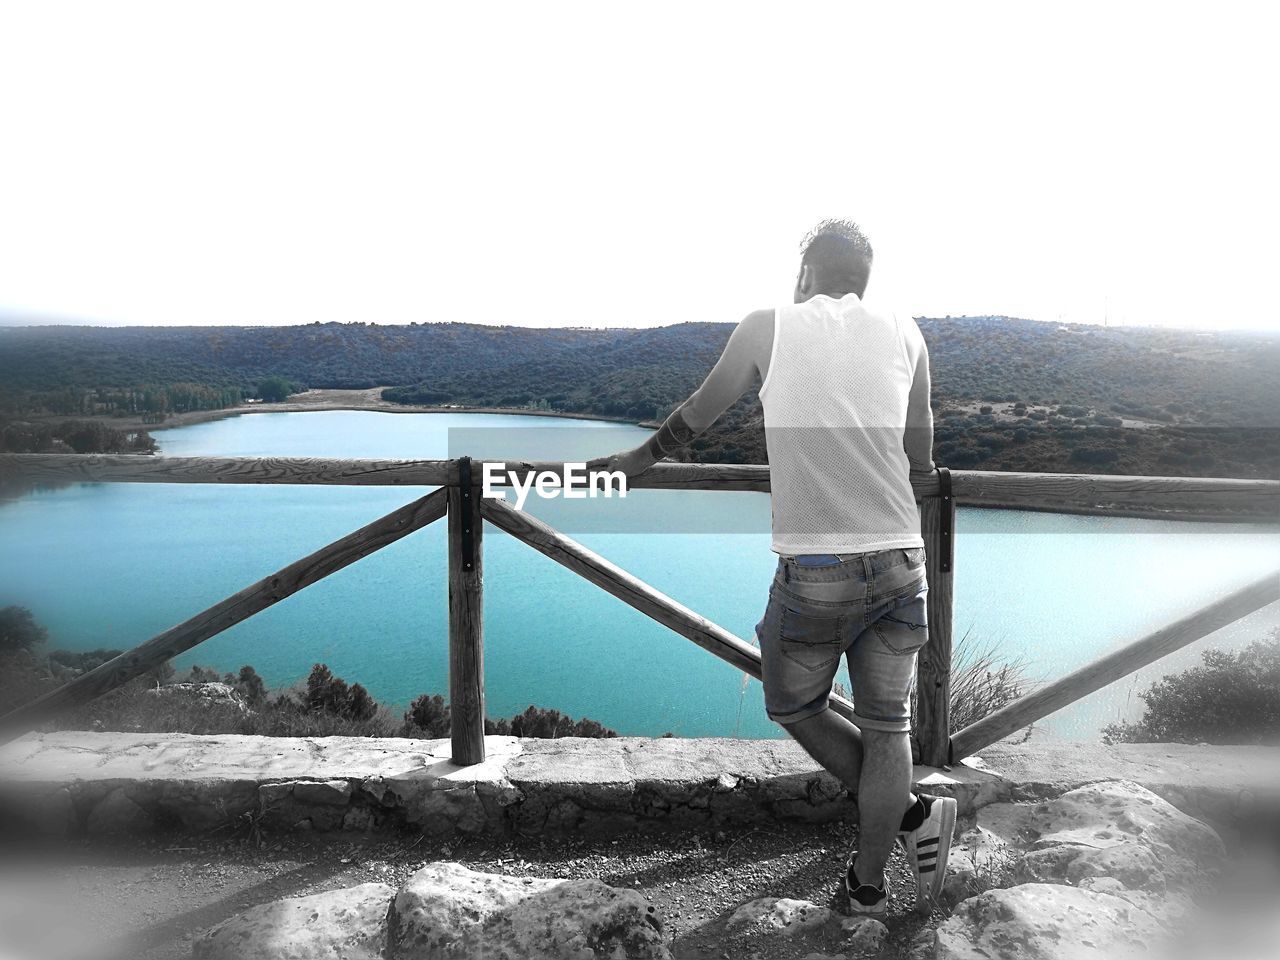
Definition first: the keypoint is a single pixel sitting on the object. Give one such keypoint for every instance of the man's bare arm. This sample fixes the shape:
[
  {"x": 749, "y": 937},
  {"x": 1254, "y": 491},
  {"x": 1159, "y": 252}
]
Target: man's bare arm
[
  {"x": 728, "y": 380},
  {"x": 917, "y": 440}
]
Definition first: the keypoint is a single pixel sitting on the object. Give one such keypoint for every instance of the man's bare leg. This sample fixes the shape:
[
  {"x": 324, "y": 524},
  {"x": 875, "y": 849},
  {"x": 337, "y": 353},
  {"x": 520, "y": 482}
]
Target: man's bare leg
[
  {"x": 835, "y": 743},
  {"x": 884, "y": 794}
]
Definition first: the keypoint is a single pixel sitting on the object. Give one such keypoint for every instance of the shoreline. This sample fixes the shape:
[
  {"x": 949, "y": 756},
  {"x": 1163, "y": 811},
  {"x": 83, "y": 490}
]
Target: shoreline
[
  {"x": 370, "y": 401},
  {"x": 361, "y": 401}
]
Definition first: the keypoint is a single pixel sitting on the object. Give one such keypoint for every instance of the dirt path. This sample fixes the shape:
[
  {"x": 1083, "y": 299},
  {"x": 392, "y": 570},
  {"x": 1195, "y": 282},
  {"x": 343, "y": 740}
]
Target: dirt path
[{"x": 147, "y": 901}]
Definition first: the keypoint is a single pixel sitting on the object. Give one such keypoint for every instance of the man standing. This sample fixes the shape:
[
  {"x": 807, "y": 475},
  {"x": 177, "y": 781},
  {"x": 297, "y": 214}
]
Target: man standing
[{"x": 845, "y": 392}]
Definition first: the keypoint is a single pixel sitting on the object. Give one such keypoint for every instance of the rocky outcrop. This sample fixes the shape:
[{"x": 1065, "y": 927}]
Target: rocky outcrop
[
  {"x": 349, "y": 924},
  {"x": 1105, "y": 870},
  {"x": 1040, "y": 921},
  {"x": 1117, "y": 832},
  {"x": 446, "y": 910}
]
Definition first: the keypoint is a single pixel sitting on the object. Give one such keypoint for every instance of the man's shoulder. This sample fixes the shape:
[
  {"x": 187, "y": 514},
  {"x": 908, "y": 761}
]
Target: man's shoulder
[
  {"x": 907, "y": 324},
  {"x": 758, "y": 320},
  {"x": 757, "y": 326},
  {"x": 755, "y": 333}
]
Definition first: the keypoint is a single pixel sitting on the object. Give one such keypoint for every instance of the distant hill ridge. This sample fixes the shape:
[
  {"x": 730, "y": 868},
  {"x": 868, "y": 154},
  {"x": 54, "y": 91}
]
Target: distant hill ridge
[{"x": 1210, "y": 378}]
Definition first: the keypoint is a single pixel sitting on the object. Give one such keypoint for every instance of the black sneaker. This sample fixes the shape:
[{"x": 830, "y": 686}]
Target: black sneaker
[
  {"x": 928, "y": 847},
  {"x": 865, "y": 899}
]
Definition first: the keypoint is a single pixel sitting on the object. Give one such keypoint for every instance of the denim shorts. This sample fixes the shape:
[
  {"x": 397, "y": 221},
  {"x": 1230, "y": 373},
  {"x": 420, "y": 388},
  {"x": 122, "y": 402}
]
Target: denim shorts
[{"x": 870, "y": 606}]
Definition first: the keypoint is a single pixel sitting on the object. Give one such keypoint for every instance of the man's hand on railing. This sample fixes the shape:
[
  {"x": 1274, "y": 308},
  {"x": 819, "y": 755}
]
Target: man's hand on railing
[
  {"x": 920, "y": 474},
  {"x": 631, "y": 463}
]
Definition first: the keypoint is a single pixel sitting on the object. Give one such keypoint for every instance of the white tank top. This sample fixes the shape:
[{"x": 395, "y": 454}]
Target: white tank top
[{"x": 835, "y": 410}]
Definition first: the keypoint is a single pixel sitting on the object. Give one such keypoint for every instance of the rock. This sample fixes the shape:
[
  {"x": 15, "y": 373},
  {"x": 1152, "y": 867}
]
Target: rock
[
  {"x": 767, "y": 918},
  {"x": 333, "y": 792},
  {"x": 724, "y": 783},
  {"x": 1040, "y": 921},
  {"x": 441, "y": 810},
  {"x": 117, "y": 814},
  {"x": 1102, "y": 885},
  {"x": 358, "y": 819},
  {"x": 208, "y": 805},
  {"x": 274, "y": 793},
  {"x": 1135, "y": 865},
  {"x": 214, "y": 693},
  {"x": 865, "y": 934},
  {"x": 446, "y": 910},
  {"x": 1115, "y": 829},
  {"x": 563, "y": 815},
  {"x": 923, "y": 945},
  {"x": 348, "y": 924},
  {"x": 782, "y": 915}
]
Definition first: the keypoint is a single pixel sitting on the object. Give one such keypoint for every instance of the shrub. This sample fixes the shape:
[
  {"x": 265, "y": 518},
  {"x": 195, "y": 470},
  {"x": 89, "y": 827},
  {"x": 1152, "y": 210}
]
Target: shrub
[
  {"x": 549, "y": 724},
  {"x": 1233, "y": 698},
  {"x": 19, "y": 630},
  {"x": 274, "y": 389},
  {"x": 1094, "y": 455},
  {"x": 22, "y": 678},
  {"x": 250, "y": 685},
  {"x": 428, "y": 716},
  {"x": 329, "y": 694}
]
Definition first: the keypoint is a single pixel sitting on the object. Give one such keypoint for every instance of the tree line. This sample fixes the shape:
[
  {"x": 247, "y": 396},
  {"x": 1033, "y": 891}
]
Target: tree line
[{"x": 1009, "y": 393}]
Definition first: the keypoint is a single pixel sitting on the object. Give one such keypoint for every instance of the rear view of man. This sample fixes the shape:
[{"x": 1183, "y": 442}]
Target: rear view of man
[{"x": 845, "y": 392}]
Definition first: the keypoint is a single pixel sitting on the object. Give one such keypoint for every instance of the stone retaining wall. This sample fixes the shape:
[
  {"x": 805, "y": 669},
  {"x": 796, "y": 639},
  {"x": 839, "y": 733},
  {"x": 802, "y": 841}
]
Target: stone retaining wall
[{"x": 72, "y": 783}]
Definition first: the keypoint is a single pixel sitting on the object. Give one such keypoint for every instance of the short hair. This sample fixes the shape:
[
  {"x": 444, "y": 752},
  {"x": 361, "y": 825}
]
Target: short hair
[{"x": 838, "y": 249}]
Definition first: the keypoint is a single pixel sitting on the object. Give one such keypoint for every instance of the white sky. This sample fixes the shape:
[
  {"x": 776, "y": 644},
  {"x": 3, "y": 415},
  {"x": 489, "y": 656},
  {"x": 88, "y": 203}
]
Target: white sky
[{"x": 554, "y": 164}]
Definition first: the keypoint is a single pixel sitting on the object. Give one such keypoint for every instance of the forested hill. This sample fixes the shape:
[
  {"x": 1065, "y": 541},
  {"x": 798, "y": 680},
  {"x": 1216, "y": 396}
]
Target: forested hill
[
  {"x": 43, "y": 359},
  {"x": 1009, "y": 393},
  {"x": 1226, "y": 378}
]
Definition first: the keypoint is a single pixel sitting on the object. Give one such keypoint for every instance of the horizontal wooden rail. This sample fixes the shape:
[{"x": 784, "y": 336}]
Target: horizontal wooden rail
[
  {"x": 134, "y": 468},
  {"x": 1114, "y": 666},
  {"x": 227, "y": 613},
  {"x": 1174, "y": 497},
  {"x": 1146, "y": 496},
  {"x": 633, "y": 591}
]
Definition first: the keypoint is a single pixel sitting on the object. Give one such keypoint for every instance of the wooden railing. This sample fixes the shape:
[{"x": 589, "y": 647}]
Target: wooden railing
[{"x": 460, "y": 499}]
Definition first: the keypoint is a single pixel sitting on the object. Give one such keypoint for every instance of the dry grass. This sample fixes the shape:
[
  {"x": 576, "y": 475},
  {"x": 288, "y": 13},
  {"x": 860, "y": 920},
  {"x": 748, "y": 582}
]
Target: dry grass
[{"x": 982, "y": 681}]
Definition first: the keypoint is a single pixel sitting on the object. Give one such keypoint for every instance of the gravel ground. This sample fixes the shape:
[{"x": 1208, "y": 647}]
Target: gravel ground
[{"x": 146, "y": 901}]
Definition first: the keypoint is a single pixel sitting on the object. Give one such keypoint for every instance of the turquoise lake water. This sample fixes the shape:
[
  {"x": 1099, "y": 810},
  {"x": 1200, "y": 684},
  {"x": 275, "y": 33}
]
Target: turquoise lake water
[{"x": 110, "y": 565}]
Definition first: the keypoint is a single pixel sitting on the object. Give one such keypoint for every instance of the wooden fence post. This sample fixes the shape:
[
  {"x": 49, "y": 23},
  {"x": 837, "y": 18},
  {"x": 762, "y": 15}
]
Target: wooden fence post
[
  {"x": 466, "y": 625},
  {"x": 933, "y": 671}
]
